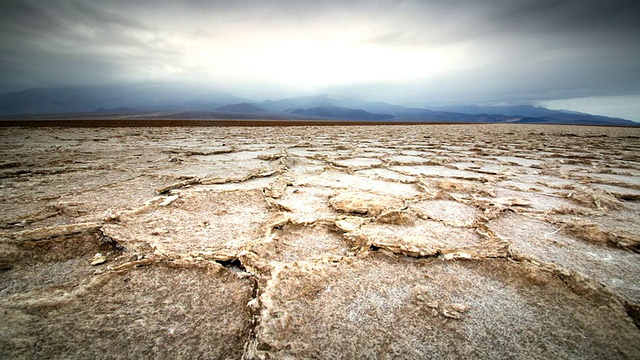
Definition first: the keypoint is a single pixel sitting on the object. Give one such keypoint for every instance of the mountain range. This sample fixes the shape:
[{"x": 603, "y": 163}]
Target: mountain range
[{"x": 172, "y": 102}]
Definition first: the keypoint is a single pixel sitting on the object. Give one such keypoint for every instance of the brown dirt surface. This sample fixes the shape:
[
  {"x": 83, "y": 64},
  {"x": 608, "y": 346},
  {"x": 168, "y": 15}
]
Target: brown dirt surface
[{"x": 272, "y": 242}]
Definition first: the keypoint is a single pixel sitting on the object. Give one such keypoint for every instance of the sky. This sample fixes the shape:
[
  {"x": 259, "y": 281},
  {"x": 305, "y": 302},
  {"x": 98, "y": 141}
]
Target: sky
[{"x": 581, "y": 55}]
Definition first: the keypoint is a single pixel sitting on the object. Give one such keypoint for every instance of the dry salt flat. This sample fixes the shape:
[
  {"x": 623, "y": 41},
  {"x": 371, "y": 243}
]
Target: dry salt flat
[{"x": 424, "y": 241}]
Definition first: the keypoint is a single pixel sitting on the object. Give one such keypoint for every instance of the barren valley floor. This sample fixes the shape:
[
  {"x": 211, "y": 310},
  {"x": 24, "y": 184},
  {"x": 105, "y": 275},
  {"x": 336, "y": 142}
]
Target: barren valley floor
[{"x": 422, "y": 241}]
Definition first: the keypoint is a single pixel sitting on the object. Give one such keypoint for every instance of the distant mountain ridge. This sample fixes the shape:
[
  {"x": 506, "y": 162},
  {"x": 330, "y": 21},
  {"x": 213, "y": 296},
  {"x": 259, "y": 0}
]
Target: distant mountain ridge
[
  {"x": 158, "y": 101},
  {"x": 338, "y": 112},
  {"x": 86, "y": 99},
  {"x": 243, "y": 107},
  {"x": 528, "y": 111}
]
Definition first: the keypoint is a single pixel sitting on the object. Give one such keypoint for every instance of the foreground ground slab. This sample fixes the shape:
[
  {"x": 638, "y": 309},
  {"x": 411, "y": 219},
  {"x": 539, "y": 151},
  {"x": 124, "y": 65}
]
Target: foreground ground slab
[
  {"x": 425, "y": 241},
  {"x": 406, "y": 308}
]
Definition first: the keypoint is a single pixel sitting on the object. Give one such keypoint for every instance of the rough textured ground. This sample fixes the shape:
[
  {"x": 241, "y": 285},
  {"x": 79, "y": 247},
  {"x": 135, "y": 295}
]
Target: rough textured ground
[{"x": 455, "y": 241}]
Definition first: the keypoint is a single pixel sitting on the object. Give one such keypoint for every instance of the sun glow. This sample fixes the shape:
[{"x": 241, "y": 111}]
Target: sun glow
[{"x": 310, "y": 64}]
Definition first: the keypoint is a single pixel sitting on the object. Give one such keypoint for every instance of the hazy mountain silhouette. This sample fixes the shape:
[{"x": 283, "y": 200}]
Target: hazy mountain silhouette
[
  {"x": 338, "y": 112},
  {"x": 174, "y": 102},
  {"x": 533, "y": 112},
  {"x": 85, "y": 99},
  {"x": 243, "y": 107}
]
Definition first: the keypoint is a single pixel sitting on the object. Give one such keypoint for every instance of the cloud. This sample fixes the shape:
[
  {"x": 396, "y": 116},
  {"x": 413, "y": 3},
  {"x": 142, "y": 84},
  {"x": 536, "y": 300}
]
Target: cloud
[
  {"x": 407, "y": 50},
  {"x": 74, "y": 43}
]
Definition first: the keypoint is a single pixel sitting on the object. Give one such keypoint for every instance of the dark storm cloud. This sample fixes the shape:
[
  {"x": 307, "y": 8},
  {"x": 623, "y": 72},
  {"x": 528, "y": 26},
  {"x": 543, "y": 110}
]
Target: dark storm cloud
[
  {"x": 527, "y": 50},
  {"x": 64, "y": 43},
  {"x": 539, "y": 50},
  {"x": 551, "y": 17},
  {"x": 64, "y": 20},
  {"x": 566, "y": 23}
]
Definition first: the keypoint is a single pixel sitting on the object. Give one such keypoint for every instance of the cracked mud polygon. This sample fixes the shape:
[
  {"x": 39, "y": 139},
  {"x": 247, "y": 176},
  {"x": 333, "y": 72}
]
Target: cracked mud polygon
[{"x": 435, "y": 241}]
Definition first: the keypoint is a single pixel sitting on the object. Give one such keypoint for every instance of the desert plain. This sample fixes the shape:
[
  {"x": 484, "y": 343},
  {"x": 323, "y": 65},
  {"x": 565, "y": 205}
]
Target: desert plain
[{"x": 332, "y": 242}]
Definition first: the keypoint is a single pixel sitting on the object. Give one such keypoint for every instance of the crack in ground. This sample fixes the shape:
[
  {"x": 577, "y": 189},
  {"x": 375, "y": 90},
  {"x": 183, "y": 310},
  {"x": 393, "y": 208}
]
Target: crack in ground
[{"x": 216, "y": 180}]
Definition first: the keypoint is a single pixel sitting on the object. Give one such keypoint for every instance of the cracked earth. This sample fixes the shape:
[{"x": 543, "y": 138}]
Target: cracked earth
[{"x": 452, "y": 241}]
